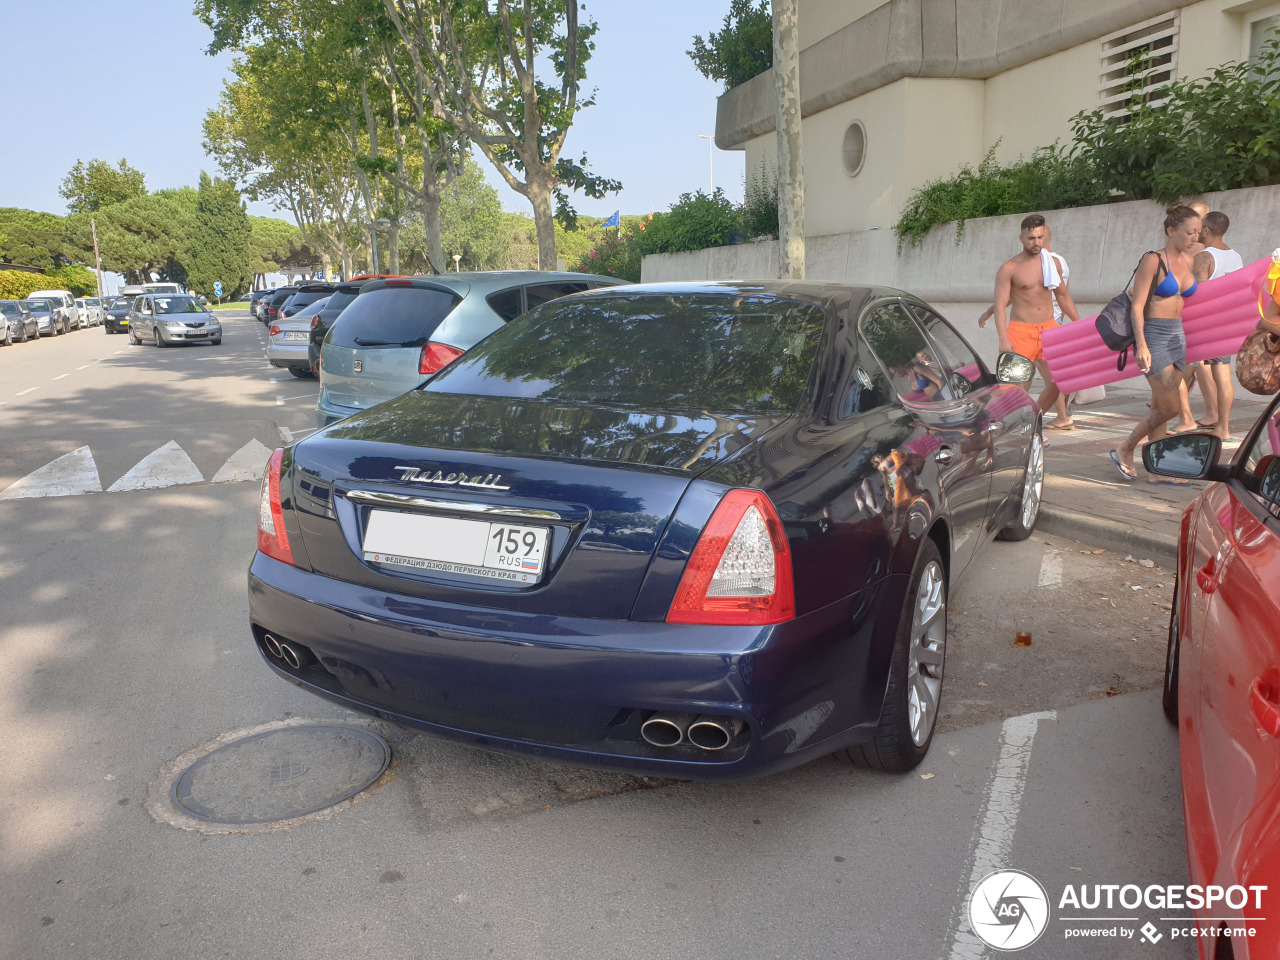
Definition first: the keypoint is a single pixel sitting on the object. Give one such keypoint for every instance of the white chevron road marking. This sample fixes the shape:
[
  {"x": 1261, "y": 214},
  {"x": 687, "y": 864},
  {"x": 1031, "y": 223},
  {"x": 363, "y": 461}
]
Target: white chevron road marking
[
  {"x": 247, "y": 463},
  {"x": 167, "y": 467},
  {"x": 70, "y": 475}
]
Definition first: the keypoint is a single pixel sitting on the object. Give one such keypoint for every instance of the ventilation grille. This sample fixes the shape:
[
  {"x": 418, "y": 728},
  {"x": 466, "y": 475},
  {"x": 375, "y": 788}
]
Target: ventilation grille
[{"x": 1138, "y": 63}]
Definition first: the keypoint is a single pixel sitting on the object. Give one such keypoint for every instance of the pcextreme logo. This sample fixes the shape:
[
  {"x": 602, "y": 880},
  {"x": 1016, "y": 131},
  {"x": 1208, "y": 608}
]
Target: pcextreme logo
[{"x": 1009, "y": 910}]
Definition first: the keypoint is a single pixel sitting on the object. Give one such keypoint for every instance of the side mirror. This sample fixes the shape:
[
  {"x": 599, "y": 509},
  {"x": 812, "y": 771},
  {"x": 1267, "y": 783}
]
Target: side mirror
[
  {"x": 1191, "y": 456},
  {"x": 1014, "y": 368}
]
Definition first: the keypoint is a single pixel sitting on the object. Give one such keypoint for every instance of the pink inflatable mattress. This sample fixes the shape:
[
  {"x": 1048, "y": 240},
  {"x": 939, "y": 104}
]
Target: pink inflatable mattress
[{"x": 1216, "y": 320}]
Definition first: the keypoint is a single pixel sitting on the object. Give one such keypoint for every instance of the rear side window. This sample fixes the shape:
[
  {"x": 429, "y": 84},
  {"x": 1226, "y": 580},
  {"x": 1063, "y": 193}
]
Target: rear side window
[
  {"x": 899, "y": 344},
  {"x": 508, "y": 304},
  {"x": 393, "y": 317},
  {"x": 540, "y": 293}
]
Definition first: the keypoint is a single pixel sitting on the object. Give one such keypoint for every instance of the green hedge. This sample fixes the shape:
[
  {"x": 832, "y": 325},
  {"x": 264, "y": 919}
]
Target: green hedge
[{"x": 16, "y": 284}]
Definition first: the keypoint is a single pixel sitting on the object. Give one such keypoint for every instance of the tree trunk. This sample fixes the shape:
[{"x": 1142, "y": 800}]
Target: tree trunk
[
  {"x": 393, "y": 246},
  {"x": 544, "y": 222},
  {"x": 431, "y": 224},
  {"x": 786, "y": 84}
]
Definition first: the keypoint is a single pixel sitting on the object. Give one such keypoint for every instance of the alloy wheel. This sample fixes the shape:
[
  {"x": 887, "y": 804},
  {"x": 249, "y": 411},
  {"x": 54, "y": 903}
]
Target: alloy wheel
[
  {"x": 927, "y": 652},
  {"x": 1033, "y": 483}
]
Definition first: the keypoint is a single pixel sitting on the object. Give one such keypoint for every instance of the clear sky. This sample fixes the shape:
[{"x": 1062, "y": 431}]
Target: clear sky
[{"x": 129, "y": 78}]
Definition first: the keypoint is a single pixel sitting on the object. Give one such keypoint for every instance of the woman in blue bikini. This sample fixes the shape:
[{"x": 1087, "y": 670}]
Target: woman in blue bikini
[{"x": 1163, "y": 281}]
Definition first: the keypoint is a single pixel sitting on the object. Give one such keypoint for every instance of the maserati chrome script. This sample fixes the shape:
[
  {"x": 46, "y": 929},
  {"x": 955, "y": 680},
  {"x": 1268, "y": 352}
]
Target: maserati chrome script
[{"x": 439, "y": 478}]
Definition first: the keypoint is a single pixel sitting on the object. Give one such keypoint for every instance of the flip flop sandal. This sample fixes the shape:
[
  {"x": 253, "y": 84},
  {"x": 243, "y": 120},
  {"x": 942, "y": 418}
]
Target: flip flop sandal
[
  {"x": 1054, "y": 426},
  {"x": 1205, "y": 426},
  {"x": 1125, "y": 471}
]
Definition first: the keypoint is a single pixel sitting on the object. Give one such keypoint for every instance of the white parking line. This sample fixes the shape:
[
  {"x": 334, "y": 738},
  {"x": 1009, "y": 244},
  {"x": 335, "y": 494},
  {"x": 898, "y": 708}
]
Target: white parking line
[
  {"x": 1051, "y": 569},
  {"x": 61, "y": 375},
  {"x": 23, "y": 393},
  {"x": 280, "y": 401},
  {"x": 84, "y": 366},
  {"x": 999, "y": 822}
]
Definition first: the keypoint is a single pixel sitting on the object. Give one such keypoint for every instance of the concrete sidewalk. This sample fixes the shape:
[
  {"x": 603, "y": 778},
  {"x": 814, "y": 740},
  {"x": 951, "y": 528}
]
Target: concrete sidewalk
[{"x": 1086, "y": 499}]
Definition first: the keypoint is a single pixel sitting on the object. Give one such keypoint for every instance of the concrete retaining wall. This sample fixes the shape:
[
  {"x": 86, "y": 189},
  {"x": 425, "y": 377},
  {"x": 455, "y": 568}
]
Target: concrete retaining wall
[{"x": 1102, "y": 244}]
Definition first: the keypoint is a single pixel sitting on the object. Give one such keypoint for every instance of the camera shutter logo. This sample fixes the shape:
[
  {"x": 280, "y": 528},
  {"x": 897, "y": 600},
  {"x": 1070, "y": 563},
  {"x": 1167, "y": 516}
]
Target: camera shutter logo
[{"x": 1009, "y": 910}]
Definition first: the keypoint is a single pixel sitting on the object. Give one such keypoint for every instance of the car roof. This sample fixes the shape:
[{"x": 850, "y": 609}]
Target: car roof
[
  {"x": 484, "y": 282},
  {"x": 812, "y": 291}
]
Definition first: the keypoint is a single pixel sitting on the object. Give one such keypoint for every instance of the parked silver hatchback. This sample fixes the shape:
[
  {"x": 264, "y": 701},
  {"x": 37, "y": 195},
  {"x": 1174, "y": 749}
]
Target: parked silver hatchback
[{"x": 402, "y": 330}]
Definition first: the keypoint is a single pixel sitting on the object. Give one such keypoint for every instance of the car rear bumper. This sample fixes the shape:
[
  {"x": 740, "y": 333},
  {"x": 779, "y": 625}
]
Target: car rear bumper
[
  {"x": 570, "y": 689},
  {"x": 292, "y": 354},
  {"x": 327, "y": 413}
]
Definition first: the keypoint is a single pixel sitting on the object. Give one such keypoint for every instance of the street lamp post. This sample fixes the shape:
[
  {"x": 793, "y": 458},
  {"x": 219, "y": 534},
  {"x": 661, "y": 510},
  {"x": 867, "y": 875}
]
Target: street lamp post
[
  {"x": 457, "y": 259},
  {"x": 711, "y": 155}
]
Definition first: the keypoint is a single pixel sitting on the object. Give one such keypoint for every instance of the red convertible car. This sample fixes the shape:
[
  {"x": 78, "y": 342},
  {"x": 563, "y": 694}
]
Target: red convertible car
[{"x": 1222, "y": 680}]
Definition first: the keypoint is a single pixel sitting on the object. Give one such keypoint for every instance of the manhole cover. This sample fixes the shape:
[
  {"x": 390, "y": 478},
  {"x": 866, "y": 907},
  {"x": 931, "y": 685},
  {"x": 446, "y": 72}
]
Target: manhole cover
[{"x": 281, "y": 774}]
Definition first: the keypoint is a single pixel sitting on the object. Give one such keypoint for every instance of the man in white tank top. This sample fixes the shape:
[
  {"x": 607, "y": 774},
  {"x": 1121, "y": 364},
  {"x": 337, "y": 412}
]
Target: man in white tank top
[{"x": 1214, "y": 376}]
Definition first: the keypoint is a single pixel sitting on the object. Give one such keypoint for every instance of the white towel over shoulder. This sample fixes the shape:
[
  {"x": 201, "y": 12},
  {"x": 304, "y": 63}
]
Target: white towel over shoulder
[{"x": 1049, "y": 270}]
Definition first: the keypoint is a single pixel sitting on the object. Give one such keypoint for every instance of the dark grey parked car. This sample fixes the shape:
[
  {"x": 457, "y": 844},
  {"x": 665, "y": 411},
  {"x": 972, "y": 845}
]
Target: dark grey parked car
[
  {"x": 50, "y": 319},
  {"x": 19, "y": 323},
  {"x": 402, "y": 330}
]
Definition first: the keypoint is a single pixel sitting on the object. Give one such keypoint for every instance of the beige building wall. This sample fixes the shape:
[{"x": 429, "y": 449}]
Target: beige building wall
[
  {"x": 916, "y": 130},
  {"x": 1031, "y": 106},
  {"x": 821, "y": 18}
]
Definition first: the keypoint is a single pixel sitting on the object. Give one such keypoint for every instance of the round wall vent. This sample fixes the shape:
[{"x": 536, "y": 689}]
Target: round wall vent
[{"x": 855, "y": 148}]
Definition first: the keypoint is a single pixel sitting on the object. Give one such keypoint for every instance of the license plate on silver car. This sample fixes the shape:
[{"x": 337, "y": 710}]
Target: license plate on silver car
[
  {"x": 493, "y": 550},
  {"x": 295, "y": 335}
]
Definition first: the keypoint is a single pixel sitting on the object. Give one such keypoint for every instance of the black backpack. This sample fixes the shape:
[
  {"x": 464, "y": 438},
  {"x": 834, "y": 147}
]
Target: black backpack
[{"x": 1115, "y": 322}]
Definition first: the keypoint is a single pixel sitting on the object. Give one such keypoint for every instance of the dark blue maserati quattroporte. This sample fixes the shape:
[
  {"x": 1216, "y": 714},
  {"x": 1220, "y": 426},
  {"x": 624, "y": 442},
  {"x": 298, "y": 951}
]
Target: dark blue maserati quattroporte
[{"x": 696, "y": 530}]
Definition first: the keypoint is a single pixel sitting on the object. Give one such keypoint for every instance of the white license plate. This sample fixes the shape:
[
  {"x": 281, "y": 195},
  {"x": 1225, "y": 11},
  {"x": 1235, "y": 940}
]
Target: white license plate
[
  {"x": 295, "y": 335},
  {"x": 501, "y": 551}
]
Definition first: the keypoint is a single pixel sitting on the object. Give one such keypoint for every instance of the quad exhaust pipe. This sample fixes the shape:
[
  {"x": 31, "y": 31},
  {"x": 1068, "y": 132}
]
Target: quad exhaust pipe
[{"x": 705, "y": 731}]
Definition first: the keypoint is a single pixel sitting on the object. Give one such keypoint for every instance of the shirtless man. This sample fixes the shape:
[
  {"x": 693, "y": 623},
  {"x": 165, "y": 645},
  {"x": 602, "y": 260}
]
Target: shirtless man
[{"x": 1020, "y": 283}]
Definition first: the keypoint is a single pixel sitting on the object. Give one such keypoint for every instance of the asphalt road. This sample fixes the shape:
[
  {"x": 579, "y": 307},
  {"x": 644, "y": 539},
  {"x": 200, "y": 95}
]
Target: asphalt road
[{"x": 123, "y": 630}]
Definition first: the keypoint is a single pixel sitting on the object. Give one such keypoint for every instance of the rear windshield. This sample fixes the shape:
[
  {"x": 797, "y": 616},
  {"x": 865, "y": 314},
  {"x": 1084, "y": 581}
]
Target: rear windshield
[
  {"x": 339, "y": 301},
  {"x": 305, "y": 298},
  {"x": 280, "y": 296},
  {"x": 714, "y": 353},
  {"x": 393, "y": 317}
]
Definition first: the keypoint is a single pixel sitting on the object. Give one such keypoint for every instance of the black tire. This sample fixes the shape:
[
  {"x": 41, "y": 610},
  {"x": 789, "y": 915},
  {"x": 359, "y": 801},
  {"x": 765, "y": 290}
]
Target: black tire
[
  {"x": 159, "y": 339},
  {"x": 8, "y": 335},
  {"x": 133, "y": 337},
  {"x": 1024, "y": 524},
  {"x": 894, "y": 748},
  {"x": 300, "y": 373},
  {"x": 1171, "y": 657},
  {"x": 216, "y": 343}
]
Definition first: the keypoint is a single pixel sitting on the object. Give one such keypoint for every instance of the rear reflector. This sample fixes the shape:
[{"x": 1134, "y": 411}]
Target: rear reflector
[
  {"x": 437, "y": 356},
  {"x": 740, "y": 568},
  {"x": 272, "y": 538}
]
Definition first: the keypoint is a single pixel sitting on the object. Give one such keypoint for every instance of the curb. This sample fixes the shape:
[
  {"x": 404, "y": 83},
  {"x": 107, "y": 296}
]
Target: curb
[{"x": 1117, "y": 534}]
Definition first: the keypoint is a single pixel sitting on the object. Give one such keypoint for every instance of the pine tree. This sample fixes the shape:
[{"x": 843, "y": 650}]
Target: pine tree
[{"x": 220, "y": 248}]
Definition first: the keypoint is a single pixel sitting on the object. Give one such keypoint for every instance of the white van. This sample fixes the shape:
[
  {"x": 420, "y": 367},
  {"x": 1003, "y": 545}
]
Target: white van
[{"x": 64, "y": 303}]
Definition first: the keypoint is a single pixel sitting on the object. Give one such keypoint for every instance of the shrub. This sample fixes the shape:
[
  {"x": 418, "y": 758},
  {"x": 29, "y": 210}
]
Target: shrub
[
  {"x": 760, "y": 206},
  {"x": 1220, "y": 132},
  {"x": 76, "y": 277},
  {"x": 697, "y": 220},
  {"x": 16, "y": 284},
  {"x": 1050, "y": 180},
  {"x": 743, "y": 49}
]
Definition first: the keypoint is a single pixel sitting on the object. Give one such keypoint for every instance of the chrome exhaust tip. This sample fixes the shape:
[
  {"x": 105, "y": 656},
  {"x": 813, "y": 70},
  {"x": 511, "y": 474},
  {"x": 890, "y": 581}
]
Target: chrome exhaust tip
[
  {"x": 273, "y": 646},
  {"x": 294, "y": 656},
  {"x": 665, "y": 729},
  {"x": 713, "y": 733}
]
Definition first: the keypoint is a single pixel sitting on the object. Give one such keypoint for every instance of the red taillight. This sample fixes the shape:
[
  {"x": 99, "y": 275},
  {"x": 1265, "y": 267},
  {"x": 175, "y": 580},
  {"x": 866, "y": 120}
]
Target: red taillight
[
  {"x": 273, "y": 330},
  {"x": 437, "y": 356},
  {"x": 315, "y": 321},
  {"x": 272, "y": 538},
  {"x": 740, "y": 568},
  {"x": 397, "y": 283}
]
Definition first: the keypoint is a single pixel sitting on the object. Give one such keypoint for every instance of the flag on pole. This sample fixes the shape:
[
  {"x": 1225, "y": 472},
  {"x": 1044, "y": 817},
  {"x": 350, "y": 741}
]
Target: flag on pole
[{"x": 614, "y": 221}]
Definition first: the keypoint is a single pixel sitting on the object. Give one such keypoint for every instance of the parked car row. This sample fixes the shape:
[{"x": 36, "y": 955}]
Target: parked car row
[{"x": 47, "y": 313}]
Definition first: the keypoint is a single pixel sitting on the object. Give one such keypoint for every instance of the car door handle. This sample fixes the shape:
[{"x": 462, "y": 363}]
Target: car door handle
[
  {"x": 1266, "y": 709},
  {"x": 944, "y": 456},
  {"x": 1207, "y": 576}
]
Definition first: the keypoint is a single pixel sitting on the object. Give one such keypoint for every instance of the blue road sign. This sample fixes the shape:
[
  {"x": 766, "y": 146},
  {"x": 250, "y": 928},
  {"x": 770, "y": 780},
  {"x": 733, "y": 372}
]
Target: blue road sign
[{"x": 217, "y": 288}]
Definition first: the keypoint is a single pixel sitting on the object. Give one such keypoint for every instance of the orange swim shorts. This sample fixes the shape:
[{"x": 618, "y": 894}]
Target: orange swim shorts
[{"x": 1025, "y": 338}]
